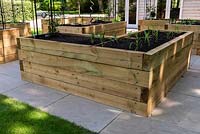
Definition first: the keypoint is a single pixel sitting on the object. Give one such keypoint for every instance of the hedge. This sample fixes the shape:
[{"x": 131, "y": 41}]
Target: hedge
[{"x": 18, "y": 11}]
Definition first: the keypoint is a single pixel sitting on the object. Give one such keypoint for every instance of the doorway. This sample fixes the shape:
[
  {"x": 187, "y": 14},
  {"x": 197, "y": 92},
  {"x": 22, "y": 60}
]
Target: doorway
[{"x": 131, "y": 13}]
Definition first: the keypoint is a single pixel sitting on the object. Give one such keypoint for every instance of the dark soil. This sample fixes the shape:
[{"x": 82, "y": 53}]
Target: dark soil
[
  {"x": 142, "y": 41},
  {"x": 96, "y": 22},
  {"x": 187, "y": 22},
  {"x": 70, "y": 38},
  {"x": 138, "y": 42}
]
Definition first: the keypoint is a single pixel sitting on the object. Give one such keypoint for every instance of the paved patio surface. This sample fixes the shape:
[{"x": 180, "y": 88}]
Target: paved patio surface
[{"x": 179, "y": 113}]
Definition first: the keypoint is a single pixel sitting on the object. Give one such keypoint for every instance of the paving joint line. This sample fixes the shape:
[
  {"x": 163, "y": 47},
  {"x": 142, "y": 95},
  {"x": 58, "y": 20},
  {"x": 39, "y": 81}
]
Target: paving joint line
[
  {"x": 110, "y": 122},
  {"x": 57, "y": 100},
  {"x": 15, "y": 88}
]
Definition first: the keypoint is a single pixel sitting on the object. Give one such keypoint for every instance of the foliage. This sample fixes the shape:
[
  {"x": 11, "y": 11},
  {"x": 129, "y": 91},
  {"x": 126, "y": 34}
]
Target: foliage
[
  {"x": 72, "y": 5},
  {"x": 18, "y": 11},
  {"x": 44, "y": 5},
  {"x": 117, "y": 19},
  {"x": 92, "y": 38},
  {"x": 52, "y": 26}
]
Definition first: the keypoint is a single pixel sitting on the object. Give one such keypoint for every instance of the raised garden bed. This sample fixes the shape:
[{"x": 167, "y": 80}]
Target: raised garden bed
[
  {"x": 188, "y": 27},
  {"x": 152, "y": 24},
  {"x": 107, "y": 28},
  {"x": 8, "y": 44},
  {"x": 134, "y": 76},
  {"x": 24, "y": 28},
  {"x": 72, "y": 20}
]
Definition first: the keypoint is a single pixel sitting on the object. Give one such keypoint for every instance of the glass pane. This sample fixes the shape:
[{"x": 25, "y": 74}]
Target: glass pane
[
  {"x": 175, "y": 9},
  {"x": 132, "y": 11},
  {"x": 161, "y": 9}
]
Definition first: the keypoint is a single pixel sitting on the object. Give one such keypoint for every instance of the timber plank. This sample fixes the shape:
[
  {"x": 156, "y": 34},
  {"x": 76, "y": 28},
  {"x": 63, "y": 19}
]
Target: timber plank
[
  {"x": 94, "y": 83},
  {"x": 8, "y": 50},
  {"x": 130, "y": 76},
  {"x": 126, "y": 104},
  {"x": 167, "y": 74},
  {"x": 121, "y": 58},
  {"x": 155, "y": 57}
]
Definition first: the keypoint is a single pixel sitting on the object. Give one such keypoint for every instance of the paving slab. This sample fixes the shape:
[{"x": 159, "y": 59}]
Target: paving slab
[
  {"x": 11, "y": 69},
  {"x": 195, "y": 62},
  {"x": 8, "y": 83},
  {"x": 192, "y": 120},
  {"x": 86, "y": 113},
  {"x": 189, "y": 84},
  {"x": 36, "y": 95},
  {"x": 174, "y": 108},
  {"x": 128, "y": 123}
]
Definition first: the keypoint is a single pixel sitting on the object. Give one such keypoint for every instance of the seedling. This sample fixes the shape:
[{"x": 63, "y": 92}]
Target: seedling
[
  {"x": 130, "y": 34},
  {"x": 156, "y": 32},
  {"x": 92, "y": 38},
  {"x": 147, "y": 37},
  {"x": 168, "y": 35},
  {"x": 102, "y": 38},
  {"x": 137, "y": 41},
  {"x": 52, "y": 26},
  {"x": 130, "y": 45},
  {"x": 115, "y": 39}
]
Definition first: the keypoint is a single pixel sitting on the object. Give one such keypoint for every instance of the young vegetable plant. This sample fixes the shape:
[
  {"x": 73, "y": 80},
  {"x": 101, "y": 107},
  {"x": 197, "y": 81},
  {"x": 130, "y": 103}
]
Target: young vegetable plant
[
  {"x": 130, "y": 34},
  {"x": 115, "y": 39},
  {"x": 147, "y": 37},
  {"x": 156, "y": 34},
  {"x": 102, "y": 38},
  {"x": 92, "y": 38},
  {"x": 137, "y": 41},
  {"x": 168, "y": 35}
]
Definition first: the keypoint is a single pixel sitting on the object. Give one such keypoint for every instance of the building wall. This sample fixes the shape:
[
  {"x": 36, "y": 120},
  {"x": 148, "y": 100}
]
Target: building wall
[
  {"x": 190, "y": 9},
  {"x": 141, "y": 10}
]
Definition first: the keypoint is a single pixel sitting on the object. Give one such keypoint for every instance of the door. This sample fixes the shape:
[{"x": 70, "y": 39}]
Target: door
[
  {"x": 161, "y": 9},
  {"x": 131, "y": 13}
]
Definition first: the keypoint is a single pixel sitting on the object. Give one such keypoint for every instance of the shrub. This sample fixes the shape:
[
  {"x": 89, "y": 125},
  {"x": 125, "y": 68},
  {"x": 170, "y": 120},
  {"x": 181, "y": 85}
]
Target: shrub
[
  {"x": 18, "y": 11},
  {"x": 44, "y": 5}
]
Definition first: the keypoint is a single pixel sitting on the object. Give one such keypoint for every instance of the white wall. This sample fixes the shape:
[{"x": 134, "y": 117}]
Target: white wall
[{"x": 190, "y": 9}]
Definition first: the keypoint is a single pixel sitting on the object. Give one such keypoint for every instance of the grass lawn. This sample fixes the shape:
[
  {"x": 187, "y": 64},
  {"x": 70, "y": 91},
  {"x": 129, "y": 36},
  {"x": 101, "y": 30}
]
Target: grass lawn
[{"x": 20, "y": 118}]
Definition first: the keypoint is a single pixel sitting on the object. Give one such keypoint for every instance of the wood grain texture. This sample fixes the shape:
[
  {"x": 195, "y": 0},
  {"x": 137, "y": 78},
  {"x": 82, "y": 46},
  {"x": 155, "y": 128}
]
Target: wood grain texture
[
  {"x": 152, "y": 24},
  {"x": 8, "y": 45},
  {"x": 130, "y": 80},
  {"x": 126, "y": 104},
  {"x": 194, "y": 28},
  {"x": 109, "y": 29}
]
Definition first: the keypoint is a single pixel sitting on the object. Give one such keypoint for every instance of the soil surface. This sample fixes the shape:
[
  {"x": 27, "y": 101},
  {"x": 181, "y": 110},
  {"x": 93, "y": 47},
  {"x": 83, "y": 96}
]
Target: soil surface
[
  {"x": 187, "y": 22},
  {"x": 142, "y": 41},
  {"x": 71, "y": 38}
]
